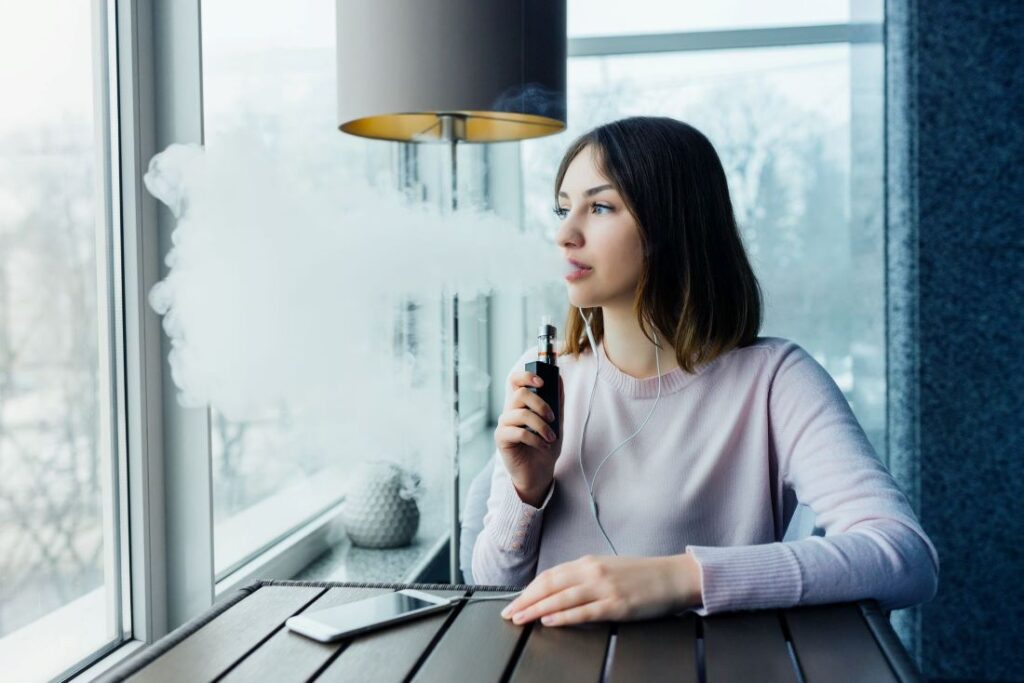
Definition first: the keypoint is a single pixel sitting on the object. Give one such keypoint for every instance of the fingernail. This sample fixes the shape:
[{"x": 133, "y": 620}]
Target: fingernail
[
  {"x": 505, "y": 612},
  {"x": 538, "y": 381},
  {"x": 518, "y": 617},
  {"x": 547, "y": 620},
  {"x": 549, "y": 435},
  {"x": 551, "y": 415}
]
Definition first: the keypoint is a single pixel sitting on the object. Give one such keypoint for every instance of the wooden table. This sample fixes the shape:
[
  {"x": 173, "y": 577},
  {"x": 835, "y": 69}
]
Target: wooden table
[{"x": 243, "y": 638}]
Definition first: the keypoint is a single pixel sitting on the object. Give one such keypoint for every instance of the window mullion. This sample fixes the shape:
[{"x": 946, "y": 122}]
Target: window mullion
[{"x": 170, "y": 491}]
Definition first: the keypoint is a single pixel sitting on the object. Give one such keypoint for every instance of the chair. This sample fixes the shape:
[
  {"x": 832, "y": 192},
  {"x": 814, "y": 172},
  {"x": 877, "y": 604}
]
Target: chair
[{"x": 473, "y": 518}]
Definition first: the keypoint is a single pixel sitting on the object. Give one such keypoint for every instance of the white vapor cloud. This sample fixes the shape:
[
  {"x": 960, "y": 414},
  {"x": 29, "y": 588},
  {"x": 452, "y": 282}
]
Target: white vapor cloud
[{"x": 282, "y": 292}]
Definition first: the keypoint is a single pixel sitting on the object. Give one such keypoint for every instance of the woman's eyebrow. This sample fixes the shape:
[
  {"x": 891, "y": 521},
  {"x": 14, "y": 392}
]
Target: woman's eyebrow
[{"x": 591, "y": 191}]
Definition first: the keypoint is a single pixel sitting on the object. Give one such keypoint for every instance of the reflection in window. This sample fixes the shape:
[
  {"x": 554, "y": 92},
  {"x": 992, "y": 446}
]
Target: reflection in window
[
  {"x": 271, "y": 473},
  {"x": 275, "y": 471}
]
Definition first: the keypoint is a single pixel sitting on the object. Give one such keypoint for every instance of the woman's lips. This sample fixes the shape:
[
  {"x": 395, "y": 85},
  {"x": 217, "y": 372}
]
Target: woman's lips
[{"x": 576, "y": 271}]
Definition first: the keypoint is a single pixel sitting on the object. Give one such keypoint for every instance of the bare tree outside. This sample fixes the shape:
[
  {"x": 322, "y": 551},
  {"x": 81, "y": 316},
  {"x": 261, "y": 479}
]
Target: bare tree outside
[{"x": 51, "y": 539}]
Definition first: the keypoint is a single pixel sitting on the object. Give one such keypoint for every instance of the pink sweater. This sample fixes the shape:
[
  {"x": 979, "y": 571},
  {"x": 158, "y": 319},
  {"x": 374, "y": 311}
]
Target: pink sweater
[{"x": 718, "y": 472}]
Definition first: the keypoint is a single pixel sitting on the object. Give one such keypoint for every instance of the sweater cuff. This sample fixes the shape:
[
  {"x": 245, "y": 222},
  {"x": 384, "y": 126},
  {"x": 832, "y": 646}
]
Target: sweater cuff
[
  {"x": 516, "y": 525},
  {"x": 747, "y": 577}
]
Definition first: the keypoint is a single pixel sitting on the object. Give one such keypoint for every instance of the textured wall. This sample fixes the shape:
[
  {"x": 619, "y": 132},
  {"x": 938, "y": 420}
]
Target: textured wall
[{"x": 955, "y": 87}]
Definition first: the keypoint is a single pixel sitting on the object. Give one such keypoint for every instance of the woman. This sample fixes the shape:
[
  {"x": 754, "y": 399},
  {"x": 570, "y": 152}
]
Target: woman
[{"x": 689, "y": 512}]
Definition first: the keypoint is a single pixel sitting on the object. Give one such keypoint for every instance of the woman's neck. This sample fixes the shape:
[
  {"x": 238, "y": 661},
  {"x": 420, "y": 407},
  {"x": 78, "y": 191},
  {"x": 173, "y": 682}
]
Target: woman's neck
[{"x": 629, "y": 350}]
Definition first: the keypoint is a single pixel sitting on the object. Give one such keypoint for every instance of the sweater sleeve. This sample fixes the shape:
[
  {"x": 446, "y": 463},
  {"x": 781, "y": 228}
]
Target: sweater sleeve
[
  {"x": 873, "y": 545},
  {"x": 505, "y": 552}
]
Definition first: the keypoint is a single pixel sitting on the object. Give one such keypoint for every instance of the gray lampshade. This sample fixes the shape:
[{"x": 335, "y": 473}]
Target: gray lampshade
[{"x": 496, "y": 64}]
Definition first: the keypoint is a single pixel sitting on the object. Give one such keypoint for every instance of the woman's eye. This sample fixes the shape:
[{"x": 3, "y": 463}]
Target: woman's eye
[{"x": 597, "y": 208}]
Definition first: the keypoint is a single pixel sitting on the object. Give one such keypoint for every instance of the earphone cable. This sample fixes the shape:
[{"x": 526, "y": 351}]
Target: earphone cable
[{"x": 590, "y": 403}]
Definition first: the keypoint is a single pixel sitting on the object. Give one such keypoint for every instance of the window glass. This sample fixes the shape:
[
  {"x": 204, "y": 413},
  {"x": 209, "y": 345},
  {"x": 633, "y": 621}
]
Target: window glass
[
  {"x": 611, "y": 17},
  {"x": 271, "y": 79},
  {"x": 799, "y": 131},
  {"x": 59, "y": 578}
]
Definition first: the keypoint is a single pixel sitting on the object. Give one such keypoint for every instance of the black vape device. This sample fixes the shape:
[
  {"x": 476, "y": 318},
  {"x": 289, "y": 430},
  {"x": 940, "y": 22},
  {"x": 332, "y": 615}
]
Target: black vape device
[{"x": 547, "y": 370}]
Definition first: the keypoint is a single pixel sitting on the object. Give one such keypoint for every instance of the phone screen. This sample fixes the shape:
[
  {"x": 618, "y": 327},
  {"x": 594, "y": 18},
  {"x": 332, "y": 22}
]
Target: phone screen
[{"x": 367, "y": 612}]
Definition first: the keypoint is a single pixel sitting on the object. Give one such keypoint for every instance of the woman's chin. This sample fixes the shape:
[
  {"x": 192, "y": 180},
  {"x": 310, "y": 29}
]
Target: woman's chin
[{"x": 579, "y": 300}]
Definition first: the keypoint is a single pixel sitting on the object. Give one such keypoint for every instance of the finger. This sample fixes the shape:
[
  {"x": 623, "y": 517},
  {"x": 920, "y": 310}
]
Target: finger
[
  {"x": 524, "y": 378},
  {"x": 599, "y": 610},
  {"x": 547, "y": 582},
  {"x": 509, "y": 435},
  {"x": 562, "y": 600},
  {"x": 524, "y": 398},
  {"x": 527, "y": 418}
]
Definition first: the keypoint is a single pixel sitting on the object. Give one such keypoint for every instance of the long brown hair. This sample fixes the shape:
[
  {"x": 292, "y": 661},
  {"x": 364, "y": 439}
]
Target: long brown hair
[{"x": 697, "y": 285}]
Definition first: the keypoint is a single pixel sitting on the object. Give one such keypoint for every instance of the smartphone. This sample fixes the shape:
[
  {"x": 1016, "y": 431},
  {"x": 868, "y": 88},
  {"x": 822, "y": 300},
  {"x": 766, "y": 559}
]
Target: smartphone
[{"x": 367, "y": 614}]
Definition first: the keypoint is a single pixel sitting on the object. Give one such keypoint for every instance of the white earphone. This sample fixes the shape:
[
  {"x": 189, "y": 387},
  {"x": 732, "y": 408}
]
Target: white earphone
[{"x": 590, "y": 403}]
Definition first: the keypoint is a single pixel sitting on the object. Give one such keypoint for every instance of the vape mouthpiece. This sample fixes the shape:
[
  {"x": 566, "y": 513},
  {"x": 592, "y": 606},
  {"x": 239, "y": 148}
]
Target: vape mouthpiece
[{"x": 546, "y": 341}]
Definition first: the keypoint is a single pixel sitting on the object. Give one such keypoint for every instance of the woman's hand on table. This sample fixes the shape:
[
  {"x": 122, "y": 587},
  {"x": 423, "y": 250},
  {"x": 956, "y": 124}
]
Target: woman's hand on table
[{"x": 609, "y": 588}]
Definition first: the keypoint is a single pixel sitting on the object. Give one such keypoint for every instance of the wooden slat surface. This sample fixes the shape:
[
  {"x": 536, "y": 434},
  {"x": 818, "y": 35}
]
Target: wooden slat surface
[
  {"x": 563, "y": 653},
  {"x": 288, "y": 656},
  {"x": 657, "y": 650},
  {"x": 833, "y": 644},
  {"x": 389, "y": 654},
  {"x": 209, "y": 651},
  {"x": 478, "y": 645},
  {"x": 248, "y": 641},
  {"x": 746, "y": 646}
]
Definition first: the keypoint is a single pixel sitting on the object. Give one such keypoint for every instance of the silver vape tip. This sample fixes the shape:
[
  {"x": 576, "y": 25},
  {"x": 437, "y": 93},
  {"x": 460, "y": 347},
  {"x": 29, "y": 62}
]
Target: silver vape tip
[{"x": 546, "y": 340}]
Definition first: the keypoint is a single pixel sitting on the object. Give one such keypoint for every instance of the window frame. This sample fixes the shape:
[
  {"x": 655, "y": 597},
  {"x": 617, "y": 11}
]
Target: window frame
[{"x": 113, "y": 456}]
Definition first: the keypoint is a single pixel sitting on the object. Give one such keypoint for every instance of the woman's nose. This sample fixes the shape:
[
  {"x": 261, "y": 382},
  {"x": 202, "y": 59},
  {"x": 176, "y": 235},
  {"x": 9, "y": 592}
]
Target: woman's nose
[{"x": 568, "y": 232}]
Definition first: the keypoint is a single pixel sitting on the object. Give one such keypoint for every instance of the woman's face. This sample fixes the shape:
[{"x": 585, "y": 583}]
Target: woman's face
[{"x": 597, "y": 231}]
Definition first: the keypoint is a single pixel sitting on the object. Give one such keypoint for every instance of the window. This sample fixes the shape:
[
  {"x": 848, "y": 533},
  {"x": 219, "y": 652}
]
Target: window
[
  {"x": 61, "y": 596},
  {"x": 271, "y": 81},
  {"x": 608, "y": 17},
  {"x": 799, "y": 129}
]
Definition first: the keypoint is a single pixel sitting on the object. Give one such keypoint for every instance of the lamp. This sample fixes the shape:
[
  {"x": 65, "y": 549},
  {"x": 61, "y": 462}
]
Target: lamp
[{"x": 450, "y": 71}]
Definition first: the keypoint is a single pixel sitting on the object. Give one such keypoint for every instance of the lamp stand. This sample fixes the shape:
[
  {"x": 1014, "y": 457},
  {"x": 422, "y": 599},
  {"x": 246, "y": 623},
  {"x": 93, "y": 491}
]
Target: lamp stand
[{"x": 453, "y": 129}]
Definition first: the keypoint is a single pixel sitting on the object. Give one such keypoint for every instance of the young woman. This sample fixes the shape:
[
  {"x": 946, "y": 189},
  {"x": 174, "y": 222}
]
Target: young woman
[{"x": 687, "y": 440}]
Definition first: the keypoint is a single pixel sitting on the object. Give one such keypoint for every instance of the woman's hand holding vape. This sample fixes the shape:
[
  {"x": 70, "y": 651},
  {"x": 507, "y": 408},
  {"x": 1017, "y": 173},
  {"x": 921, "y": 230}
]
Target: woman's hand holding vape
[{"x": 526, "y": 442}]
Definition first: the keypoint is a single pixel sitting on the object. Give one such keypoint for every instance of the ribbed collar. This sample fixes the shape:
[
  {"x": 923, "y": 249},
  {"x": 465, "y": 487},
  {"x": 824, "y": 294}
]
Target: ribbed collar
[{"x": 671, "y": 381}]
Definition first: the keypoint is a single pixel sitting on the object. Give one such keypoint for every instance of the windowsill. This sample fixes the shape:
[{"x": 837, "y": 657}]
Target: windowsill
[
  {"x": 346, "y": 562},
  {"x": 108, "y": 662},
  {"x": 237, "y": 537},
  {"x": 60, "y": 638}
]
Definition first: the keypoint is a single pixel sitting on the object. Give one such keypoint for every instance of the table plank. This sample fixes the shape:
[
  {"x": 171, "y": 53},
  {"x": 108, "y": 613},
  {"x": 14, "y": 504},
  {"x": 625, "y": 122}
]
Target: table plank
[
  {"x": 816, "y": 632},
  {"x": 208, "y": 652},
  {"x": 389, "y": 654},
  {"x": 746, "y": 646},
  {"x": 563, "y": 653},
  {"x": 897, "y": 656},
  {"x": 478, "y": 645},
  {"x": 656, "y": 650},
  {"x": 288, "y": 656}
]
